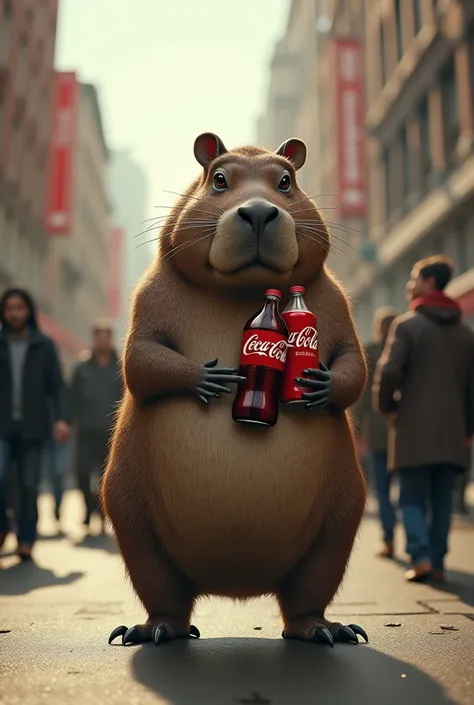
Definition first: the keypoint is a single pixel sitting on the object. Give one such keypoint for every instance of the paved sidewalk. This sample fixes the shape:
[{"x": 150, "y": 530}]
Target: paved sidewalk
[{"x": 56, "y": 618}]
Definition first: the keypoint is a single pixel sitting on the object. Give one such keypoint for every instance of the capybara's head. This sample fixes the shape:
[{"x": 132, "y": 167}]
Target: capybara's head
[{"x": 245, "y": 223}]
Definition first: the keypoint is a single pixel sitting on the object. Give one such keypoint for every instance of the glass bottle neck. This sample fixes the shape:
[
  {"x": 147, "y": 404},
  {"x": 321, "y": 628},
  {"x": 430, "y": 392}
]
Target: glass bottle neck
[
  {"x": 297, "y": 303},
  {"x": 271, "y": 301}
]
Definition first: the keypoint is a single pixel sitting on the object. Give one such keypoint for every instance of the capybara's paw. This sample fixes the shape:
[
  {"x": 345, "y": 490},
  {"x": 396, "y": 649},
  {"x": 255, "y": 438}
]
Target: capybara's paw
[
  {"x": 215, "y": 380},
  {"x": 155, "y": 630},
  {"x": 320, "y": 630}
]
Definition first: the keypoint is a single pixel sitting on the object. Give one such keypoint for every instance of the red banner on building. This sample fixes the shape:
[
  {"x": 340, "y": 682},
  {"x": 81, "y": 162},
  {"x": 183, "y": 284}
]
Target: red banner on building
[
  {"x": 350, "y": 139},
  {"x": 59, "y": 188},
  {"x": 115, "y": 249}
]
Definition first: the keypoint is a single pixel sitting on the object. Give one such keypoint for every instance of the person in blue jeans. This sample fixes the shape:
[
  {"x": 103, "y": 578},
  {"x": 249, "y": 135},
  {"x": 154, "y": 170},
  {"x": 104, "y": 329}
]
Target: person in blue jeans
[
  {"x": 373, "y": 430},
  {"x": 56, "y": 458},
  {"x": 31, "y": 384},
  {"x": 425, "y": 383}
]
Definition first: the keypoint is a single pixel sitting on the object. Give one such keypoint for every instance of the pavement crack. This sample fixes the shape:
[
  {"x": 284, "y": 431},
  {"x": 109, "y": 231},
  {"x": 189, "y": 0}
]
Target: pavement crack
[{"x": 426, "y": 606}]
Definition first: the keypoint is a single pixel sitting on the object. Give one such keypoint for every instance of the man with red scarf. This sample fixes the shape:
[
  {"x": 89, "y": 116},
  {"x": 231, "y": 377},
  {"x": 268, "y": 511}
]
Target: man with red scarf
[{"x": 424, "y": 383}]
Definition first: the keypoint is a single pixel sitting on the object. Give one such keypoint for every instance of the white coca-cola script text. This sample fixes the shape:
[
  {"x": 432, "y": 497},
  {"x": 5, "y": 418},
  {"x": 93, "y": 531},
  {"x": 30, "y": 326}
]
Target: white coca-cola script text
[
  {"x": 265, "y": 348},
  {"x": 306, "y": 338}
]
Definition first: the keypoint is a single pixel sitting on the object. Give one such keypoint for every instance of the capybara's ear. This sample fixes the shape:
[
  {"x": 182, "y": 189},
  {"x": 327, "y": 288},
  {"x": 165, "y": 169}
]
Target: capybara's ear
[
  {"x": 208, "y": 147},
  {"x": 295, "y": 150}
]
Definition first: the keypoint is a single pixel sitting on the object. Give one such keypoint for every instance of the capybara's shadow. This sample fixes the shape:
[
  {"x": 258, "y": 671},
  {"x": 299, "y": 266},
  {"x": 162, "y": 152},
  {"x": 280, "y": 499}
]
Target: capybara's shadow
[{"x": 275, "y": 672}]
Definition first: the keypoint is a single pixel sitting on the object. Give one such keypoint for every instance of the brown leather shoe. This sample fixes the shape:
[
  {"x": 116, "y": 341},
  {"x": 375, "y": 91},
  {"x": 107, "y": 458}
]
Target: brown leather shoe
[
  {"x": 420, "y": 572},
  {"x": 387, "y": 550}
]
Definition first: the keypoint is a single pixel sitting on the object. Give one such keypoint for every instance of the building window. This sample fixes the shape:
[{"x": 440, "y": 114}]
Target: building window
[
  {"x": 470, "y": 45},
  {"x": 418, "y": 15},
  {"x": 425, "y": 142},
  {"x": 462, "y": 254},
  {"x": 406, "y": 155},
  {"x": 450, "y": 109},
  {"x": 5, "y": 32},
  {"x": 386, "y": 177},
  {"x": 383, "y": 61},
  {"x": 398, "y": 29},
  {"x": 470, "y": 242},
  {"x": 392, "y": 163},
  {"x": 22, "y": 66}
]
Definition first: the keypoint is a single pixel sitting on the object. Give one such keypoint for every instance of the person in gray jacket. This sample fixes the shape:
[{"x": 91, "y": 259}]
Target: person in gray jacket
[{"x": 96, "y": 391}]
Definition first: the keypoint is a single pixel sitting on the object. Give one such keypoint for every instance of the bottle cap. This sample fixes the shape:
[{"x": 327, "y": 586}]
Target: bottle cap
[
  {"x": 297, "y": 290},
  {"x": 273, "y": 292}
]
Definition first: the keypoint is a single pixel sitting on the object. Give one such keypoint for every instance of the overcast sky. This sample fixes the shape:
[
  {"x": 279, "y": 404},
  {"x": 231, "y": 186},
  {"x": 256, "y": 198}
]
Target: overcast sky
[{"x": 168, "y": 70}]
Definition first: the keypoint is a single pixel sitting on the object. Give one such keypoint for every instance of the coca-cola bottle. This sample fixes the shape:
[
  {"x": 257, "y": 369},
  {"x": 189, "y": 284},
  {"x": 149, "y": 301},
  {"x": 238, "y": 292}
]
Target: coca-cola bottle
[
  {"x": 302, "y": 345},
  {"x": 262, "y": 362}
]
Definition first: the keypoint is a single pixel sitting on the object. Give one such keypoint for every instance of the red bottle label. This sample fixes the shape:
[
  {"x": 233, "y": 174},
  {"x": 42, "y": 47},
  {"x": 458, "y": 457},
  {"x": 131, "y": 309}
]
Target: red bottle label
[
  {"x": 263, "y": 348},
  {"x": 303, "y": 353}
]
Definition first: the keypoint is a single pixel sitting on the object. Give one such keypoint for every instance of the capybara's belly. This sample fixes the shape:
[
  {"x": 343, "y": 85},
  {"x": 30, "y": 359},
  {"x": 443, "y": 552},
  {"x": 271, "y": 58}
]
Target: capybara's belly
[{"x": 239, "y": 504}]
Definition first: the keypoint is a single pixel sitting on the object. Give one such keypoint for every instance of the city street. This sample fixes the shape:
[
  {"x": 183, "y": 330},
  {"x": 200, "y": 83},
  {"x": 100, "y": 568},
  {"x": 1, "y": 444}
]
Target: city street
[{"x": 55, "y": 619}]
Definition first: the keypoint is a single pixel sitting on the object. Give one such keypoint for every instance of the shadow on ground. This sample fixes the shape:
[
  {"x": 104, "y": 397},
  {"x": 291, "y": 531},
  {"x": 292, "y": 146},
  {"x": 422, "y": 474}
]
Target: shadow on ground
[
  {"x": 52, "y": 537},
  {"x": 22, "y": 578},
  {"x": 102, "y": 542},
  {"x": 274, "y": 672},
  {"x": 459, "y": 584}
]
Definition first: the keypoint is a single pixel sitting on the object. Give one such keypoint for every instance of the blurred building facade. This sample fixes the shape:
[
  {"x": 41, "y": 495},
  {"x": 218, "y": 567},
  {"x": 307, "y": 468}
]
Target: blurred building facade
[
  {"x": 76, "y": 275},
  {"x": 316, "y": 92},
  {"x": 128, "y": 192},
  {"x": 27, "y": 45},
  {"x": 340, "y": 165},
  {"x": 420, "y": 120},
  {"x": 64, "y": 267},
  {"x": 418, "y": 151},
  {"x": 291, "y": 87}
]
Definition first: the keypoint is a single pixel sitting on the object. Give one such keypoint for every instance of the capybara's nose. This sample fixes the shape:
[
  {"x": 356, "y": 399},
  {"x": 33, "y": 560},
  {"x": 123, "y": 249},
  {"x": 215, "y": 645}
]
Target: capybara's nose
[{"x": 258, "y": 215}]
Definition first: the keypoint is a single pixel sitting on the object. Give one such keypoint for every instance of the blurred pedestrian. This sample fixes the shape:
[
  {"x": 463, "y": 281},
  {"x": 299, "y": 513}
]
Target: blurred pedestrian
[
  {"x": 56, "y": 461},
  {"x": 461, "y": 504},
  {"x": 31, "y": 384},
  {"x": 373, "y": 432},
  {"x": 95, "y": 393},
  {"x": 425, "y": 382}
]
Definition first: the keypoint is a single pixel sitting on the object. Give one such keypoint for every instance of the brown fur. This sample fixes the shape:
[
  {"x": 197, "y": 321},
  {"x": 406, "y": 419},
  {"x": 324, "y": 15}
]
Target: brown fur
[{"x": 200, "y": 504}]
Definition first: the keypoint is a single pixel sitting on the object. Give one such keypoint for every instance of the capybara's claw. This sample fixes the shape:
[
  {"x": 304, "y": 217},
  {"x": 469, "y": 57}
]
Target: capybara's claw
[
  {"x": 162, "y": 634},
  {"x": 325, "y": 632},
  {"x": 346, "y": 634},
  {"x": 359, "y": 630},
  {"x": 322, "y": 635},
  {"x": 194, "y": 631},
  {"x": 141, "y": 633},
  {"x": 118, "y": 631},
  {"x": 132, "y": 636}
]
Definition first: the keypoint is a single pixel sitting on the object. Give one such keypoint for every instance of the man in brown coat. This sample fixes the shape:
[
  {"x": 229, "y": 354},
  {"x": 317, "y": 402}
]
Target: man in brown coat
[
  {"x": 373, "y": 431},
  {"x": 425, "y": 383}
]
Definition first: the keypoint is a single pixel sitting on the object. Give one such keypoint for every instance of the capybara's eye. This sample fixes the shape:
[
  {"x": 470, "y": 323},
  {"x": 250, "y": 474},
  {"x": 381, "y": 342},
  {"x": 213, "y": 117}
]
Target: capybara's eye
[
  {"x": 220, "y": 182},
  {"x": 285, "y": 183}
]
